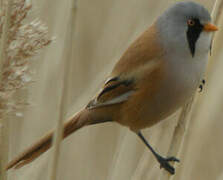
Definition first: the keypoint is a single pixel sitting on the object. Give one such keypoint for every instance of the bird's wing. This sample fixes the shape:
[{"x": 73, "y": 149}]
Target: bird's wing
[
  {"x": 133, "y": 80},
  {"x": 115, "y": 90},
  {"x": 140, "y": 59}
]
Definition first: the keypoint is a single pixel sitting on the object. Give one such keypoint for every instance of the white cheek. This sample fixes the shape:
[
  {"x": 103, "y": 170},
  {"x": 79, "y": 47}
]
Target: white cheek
[
  {"x": 201, "y": 53},
  {"x": 203, "y": 44}
]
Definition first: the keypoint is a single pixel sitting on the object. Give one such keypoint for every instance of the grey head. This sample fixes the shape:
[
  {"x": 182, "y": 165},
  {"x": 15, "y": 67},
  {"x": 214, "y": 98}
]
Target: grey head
[{"x": 182, "y": 28}]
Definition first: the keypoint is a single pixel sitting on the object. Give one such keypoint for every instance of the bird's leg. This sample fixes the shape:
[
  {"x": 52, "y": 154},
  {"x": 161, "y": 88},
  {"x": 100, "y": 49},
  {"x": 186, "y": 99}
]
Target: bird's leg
[
  {"x": 201, "y": 85},
  {"x": 164, "y": 162}
]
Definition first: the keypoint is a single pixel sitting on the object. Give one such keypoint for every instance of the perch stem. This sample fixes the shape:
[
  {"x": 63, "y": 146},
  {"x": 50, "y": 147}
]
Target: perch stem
[{"x": 4, "y": 124}]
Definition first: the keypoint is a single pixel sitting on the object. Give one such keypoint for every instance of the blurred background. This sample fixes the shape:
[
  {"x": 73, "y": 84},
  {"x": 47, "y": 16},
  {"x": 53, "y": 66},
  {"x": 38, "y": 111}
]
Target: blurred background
[{"x": 103, "y": 30}]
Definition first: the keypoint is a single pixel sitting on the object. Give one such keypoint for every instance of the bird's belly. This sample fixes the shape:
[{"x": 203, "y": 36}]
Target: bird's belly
[
  {"x": 169, "y": 100},
  {"x": 176, "y": 89}
]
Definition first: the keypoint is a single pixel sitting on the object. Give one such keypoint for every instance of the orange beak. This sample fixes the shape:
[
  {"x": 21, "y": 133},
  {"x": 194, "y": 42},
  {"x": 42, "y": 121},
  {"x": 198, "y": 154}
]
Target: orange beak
[{"x": 210, "y": 27}]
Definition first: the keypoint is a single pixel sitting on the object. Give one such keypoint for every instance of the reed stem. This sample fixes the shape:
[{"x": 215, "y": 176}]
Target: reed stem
[
  {"x": 4, "y": 124},
  {"x": 63, "y": 104}
]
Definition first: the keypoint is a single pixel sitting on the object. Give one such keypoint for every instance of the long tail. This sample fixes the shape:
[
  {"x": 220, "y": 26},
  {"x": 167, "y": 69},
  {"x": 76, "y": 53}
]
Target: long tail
[{"x": 80, "y": 119}]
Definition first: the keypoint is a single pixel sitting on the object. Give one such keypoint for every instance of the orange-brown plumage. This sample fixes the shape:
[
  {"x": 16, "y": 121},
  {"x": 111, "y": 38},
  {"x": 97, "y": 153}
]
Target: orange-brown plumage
[
  {"x": 145, "y": 49},
  {"x": 141, "y": 62},
  {"x": 156, "y": 75},
  {"x": 138, "y": 104}
]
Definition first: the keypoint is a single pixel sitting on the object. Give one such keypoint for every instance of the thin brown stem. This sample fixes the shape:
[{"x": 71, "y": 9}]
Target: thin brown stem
[
  {"x": 62, "y": 112},
  {"x": 4, "y": 128}
]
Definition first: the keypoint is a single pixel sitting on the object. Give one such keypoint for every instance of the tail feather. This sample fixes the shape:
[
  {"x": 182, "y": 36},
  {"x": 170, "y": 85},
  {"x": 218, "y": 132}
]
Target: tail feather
[{"x": 79, "y": 120}]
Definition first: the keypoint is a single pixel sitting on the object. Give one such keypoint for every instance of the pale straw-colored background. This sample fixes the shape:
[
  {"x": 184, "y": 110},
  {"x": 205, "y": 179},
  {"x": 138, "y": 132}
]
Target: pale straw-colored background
[{"x": 103, "y": 30}]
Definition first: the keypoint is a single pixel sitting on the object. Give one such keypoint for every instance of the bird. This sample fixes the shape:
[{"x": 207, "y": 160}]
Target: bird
[{"x": 157, "y": 74}]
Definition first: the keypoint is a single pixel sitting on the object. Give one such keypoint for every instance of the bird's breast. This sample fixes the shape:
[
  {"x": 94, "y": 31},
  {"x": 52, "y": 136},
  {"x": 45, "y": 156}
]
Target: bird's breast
[{"x": 182, "y": 78}]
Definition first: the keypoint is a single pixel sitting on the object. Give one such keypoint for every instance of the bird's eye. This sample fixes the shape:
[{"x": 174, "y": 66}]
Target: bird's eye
[{"x": 190, "y": 22}]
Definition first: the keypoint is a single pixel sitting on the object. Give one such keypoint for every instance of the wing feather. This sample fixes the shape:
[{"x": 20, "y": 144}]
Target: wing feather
[
  {"x": 136, "y": 65},
  {"x": 115, "y": 91}
]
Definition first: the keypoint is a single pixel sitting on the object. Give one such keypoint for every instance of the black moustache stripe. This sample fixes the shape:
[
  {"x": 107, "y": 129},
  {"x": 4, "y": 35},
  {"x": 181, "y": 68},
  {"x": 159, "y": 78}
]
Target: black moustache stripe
[{"x": 193, "y": 34}]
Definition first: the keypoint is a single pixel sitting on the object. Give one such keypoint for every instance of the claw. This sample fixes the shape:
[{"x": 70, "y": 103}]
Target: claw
[
  {"x": 164, "y": 163},
  {"x": 203, "y": 81},
  {"x": 201, "y": 85},
  {"x": 200, "y": 88},
  {"x": 172, "y": 159}
]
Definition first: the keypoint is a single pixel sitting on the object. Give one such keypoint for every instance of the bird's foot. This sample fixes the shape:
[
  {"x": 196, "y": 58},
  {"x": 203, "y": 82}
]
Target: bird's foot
[
  {"x": 201, "y": 85},
  {"x": 164, "y": 163}
]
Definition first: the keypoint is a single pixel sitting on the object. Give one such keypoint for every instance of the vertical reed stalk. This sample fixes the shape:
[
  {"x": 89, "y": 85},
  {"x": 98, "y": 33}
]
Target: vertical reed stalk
[
  {"x": 4, "y": 125},
  {"x": 184, "y": 119},
  {"x": 62, "y": 111}
]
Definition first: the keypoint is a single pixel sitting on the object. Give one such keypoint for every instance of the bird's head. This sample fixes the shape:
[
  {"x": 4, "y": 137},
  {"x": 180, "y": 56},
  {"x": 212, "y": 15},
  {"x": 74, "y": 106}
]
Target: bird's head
[{"x": 186, "y": 27}]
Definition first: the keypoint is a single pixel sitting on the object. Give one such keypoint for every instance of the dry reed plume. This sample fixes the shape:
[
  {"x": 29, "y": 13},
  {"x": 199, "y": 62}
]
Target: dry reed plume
[{"x": 23, "y": 42}]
